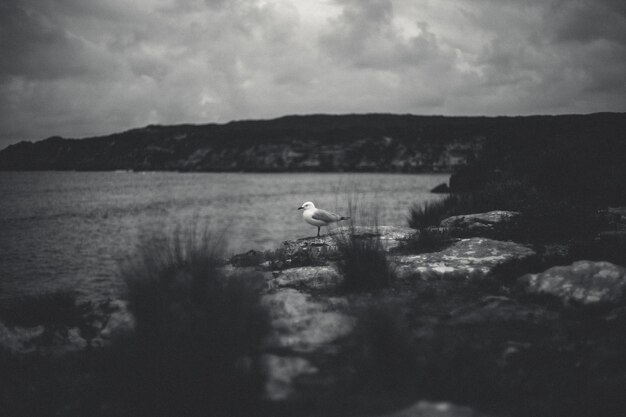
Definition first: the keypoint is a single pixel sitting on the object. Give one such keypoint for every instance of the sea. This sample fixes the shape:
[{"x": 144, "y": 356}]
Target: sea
[{"x": 70, "y": 231}]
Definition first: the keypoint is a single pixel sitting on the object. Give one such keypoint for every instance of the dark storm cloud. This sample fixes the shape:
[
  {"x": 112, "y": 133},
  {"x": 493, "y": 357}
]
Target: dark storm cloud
[
  {"x": 365, "y": 35},
  {"x": 86, "y": 67},
  {"x": 34, "y": 47}
]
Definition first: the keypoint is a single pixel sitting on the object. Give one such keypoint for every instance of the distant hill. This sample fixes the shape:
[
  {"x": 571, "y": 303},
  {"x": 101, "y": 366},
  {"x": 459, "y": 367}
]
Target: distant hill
[{"x": 369, "y": 142}]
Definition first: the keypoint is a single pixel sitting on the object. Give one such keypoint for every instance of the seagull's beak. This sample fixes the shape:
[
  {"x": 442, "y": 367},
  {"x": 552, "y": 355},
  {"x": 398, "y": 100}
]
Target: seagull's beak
[{"x": 300, "y": 208}]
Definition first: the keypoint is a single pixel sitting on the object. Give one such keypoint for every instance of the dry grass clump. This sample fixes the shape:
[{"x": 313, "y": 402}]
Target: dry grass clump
[
  {"x": 198, "y": 332},
  {"x": 362, "y": 258}
]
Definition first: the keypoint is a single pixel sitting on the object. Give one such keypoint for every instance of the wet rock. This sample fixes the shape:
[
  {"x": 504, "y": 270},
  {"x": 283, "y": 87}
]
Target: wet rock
[
  {"x": 282, "y": 373},
  {"x": 301, "y": 324},
  {"x": 306, "y": 278},
  {"x": 483, "y": 224},
  {"x": 474, "y": 257},
  {"x": 436, "y": 409},
  {"x": 583, "y": 282},
  {"x": 390, "y": 236}
]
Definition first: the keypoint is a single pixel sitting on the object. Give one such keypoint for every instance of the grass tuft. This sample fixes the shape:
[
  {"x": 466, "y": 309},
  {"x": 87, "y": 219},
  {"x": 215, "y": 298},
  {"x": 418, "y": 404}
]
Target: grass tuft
[
  {"x": 198, "y": 332},
  {"x": 362, "y": 259},
  {"x": 430, "y": 213},
  {"x": 426, "y": 240}
]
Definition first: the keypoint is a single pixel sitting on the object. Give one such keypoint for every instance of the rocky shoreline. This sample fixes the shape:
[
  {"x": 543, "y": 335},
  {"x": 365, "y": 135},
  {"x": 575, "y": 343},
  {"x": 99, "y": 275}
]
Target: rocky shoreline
[{"x": 462, "y": 330}]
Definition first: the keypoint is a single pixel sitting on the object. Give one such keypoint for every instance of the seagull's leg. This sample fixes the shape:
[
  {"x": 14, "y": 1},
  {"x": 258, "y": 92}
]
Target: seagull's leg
[{"x": 318, "y": 231}]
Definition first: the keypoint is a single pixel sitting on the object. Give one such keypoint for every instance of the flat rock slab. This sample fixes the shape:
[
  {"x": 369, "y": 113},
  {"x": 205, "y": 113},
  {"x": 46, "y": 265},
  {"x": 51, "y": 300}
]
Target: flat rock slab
[
  {"x": 303, "y": 325},
  {"x": 482, "y": 223},
  {"x": 390, "y": 236},
  {"x": 583, "y": 282},
  {"x": 474, "y": 257},
  {"x": 306, "y": 278}
]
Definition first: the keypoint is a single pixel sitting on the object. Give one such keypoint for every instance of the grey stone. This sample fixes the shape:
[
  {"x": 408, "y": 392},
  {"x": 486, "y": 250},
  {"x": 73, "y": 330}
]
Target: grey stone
[
  {"x": 583, "y": 282},
  {"x": 281, "y": 373},
  {"x": 306, "y": 278},
  {"x": 480, "y": 223},
  {"x": 303, "y": 325},
  {"x": 391, "y": 236},
  {"x": 474, "y": 257}
]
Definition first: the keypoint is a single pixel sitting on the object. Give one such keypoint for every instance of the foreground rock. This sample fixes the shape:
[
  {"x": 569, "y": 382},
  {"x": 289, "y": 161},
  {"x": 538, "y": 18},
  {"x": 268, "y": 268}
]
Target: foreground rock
[
  {"x": 440, "y": 409},
  {"x": 474, "y": 257},
  {"x": 307, "y": 278},
  {"x": 282, "y": 374},
  {"x": 583, "y": 282},
  {"x": 481, "y": 224},
  {"x": 301, "y": 327},
  {"x": 304, "y": 325}
]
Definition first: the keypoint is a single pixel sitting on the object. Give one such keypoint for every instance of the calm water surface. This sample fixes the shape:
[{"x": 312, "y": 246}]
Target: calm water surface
[{"x": 70, "y": 230}]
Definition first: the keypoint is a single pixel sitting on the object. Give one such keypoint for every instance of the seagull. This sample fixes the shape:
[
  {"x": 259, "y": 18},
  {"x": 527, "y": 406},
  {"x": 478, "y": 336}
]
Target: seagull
[{"x": 318, "y": 217}]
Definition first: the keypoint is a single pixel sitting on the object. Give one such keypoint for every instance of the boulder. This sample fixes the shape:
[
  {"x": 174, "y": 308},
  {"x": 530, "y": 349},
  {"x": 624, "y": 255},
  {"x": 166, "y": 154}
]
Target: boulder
[
  {"x": 302, "y": 325},
  {"x": 483, "y": 224},
  {"x": 474, "y": 257},
  {"x": 282, "y": 373},
  {"x": 318, "y": 250},
  {"x": 584, "y": 283},
  {"x": 307, "y": 278}
]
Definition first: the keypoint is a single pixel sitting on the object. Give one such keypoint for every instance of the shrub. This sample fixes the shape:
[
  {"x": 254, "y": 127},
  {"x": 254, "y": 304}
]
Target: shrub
[
  {"x": 362, "y": 261},
  {"x": 198, "y": 332},
  {"x": 425, "y": 241},
  {"x": 430, "y": 213}
]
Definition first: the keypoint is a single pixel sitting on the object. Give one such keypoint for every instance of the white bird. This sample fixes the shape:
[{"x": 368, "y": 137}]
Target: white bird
[{"x": 318, "y": 217}]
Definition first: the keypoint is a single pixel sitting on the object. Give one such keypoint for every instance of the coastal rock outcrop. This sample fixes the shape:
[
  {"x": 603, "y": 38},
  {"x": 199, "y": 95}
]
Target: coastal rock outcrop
[
  {"x": 473, "y": 257},
  {"x": 319, "y": 250},
  {"x": 491, "y": 223},
  {"x": 584, "y": 283},
  {"x": 306, "y": 278}
]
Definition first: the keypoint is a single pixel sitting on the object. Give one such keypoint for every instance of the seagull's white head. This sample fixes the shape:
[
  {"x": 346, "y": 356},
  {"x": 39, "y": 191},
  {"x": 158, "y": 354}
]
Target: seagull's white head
[{"x": 306, "y": 206}]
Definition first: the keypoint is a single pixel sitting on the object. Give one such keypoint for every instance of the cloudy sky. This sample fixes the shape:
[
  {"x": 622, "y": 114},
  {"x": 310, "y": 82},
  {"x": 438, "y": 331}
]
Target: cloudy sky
[{"x": 87, "y": 67}]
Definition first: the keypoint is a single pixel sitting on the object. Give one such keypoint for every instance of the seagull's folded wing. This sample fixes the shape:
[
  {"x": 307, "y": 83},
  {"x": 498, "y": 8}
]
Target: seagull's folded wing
[{"x": 326, "y": 216}]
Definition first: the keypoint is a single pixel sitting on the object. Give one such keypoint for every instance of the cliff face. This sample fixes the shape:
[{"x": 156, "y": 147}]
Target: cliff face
[{"x": 373, "y": 142}]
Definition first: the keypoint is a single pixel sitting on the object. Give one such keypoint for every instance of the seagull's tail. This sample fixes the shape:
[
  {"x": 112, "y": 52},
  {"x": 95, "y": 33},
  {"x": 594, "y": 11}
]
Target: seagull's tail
[{"x": 344, "y": 218}]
